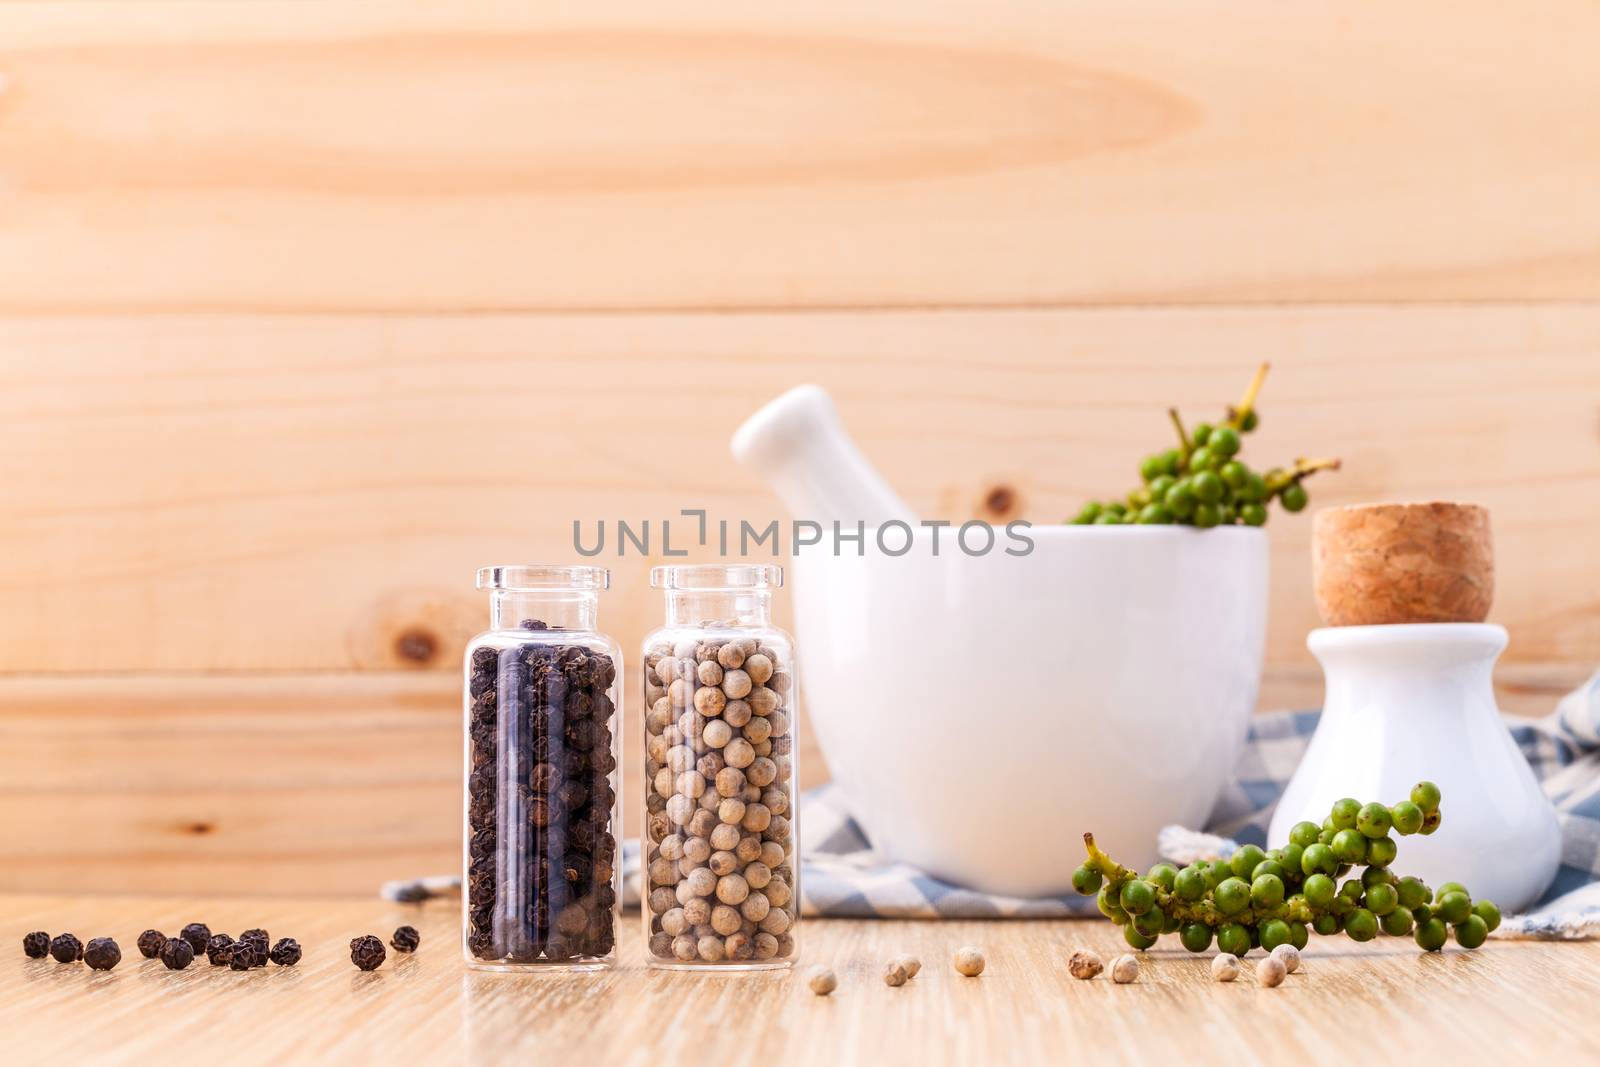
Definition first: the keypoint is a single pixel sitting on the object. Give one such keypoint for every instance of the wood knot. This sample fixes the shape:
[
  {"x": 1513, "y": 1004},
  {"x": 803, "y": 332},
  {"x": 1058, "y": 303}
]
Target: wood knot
[
  {"x": 416, "y": 646},
  {"x": 199, "y": 828},
  {"x": 1000, "y": 502}
]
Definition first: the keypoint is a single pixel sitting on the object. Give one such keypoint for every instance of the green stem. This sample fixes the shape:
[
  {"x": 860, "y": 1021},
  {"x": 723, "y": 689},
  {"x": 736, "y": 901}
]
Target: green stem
[
  {"x": 1184, "y": 445},
  {"x": 1237, "y": 415}
]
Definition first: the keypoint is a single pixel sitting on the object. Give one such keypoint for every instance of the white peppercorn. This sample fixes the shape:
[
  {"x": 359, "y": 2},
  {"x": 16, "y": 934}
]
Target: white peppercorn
[
  {"x": 731, "y": 811},
  {"x": 722, "y": 863},
  {"x": 894, "y": 974},
  {"x": 697, "y": 912},
  {"x": 756, "y": 731},
  {"x": 910, "y": 964},
  {"x": 683, "y": 947},
  {"x": 756, "y": 818},
  {"x": 822, "y": 981},
  {"x": 1271, "y": 971},
  {"x": 737, "y": 713},
  {"x": 690, "y": 784},
  {"x": 725, "y": 920},
  {"x": 762, "y": 700},
  {"x": 762, "y": 770},
  {"x": 969, "y": 961},
  {"x": 758, "y": 874},
  {"x": 710, "y": 948},
  {"x": 755, "y": 907},
  {"x": 732, "y": 889},
  {"x": 772, "y": 854},
  {"x": 776, "y": 921},
  {"x": 674, "y": 922},
  {"x": 697, "y": 850},
  {"x": 749, "y": 849},
  {"x": 710, "y": 673},
  {"x": 1124, "y": 969},
  {"x": 730, "y": 781},
  {"x": 680, "y": 809},
  {"x": 663, "y": 899},
  {"x": 702, "y": 822},
  {"x": 758, "y": 667},
  {"x": 731, "y": 655},
  {"x": 717, "y": 733},
  {"x": 735, "y": 684},
  {"x": 780, "y": 682},
  {"x": 739, "y": 753},
  {"x": 776, "y": 800},
  {"x": 702, "y": 883},
  {"x": 1084, "y": 964},
  {"x": 1225, "y": 967},
  {"x": 777, "y": 892},
  {"x": 724, "y": 837},
  {"x": 1289, "y": 955},
  {"x": 767, "y": 946}
]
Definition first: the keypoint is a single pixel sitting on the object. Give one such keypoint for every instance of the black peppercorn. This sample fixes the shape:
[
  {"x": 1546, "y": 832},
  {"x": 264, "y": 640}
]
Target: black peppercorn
[
  {"x": 367, "y": 952},
  {"x": 177, "y": 954},
  {"x": 256, "y": 934},
  {"x": 406, "y": 939},
  {"x": 150, "y": 943},
  {"x": 219, "y": 950},
  {"x": 197, "y": 934},
  {"x": 286, "y": 953},
  {"x": 66, "y": 948},
  {"x": 36, "y": 946},
  {"x": 102, "y": 953},
  {"x": 249, "y": 951}
]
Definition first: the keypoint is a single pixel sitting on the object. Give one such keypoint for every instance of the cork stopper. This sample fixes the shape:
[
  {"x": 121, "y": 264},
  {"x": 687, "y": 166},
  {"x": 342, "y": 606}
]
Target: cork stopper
[{"x": 1379, "y": 564}]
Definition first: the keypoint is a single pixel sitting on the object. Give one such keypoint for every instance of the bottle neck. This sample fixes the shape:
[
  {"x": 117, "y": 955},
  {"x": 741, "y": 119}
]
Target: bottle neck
[
  {"x": 740, "y": 607},
  {"x": 557, "y": 609}
]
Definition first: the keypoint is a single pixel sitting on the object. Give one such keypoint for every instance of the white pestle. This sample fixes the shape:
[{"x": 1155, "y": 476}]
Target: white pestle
[{"x": 797, "y": 443}]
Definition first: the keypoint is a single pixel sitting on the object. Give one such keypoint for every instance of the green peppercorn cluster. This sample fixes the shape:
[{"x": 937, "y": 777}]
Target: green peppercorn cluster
[
  {"x": 1204, "y": 482},
  {"x": 1257, "y": 899}
]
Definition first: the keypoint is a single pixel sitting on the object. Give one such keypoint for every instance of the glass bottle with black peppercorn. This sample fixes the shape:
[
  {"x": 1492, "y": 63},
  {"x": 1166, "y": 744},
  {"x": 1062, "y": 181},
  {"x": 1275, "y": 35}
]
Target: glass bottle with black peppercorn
[
  {"x": 720, "y": 870},
  {"x": 543, "y": 871}
]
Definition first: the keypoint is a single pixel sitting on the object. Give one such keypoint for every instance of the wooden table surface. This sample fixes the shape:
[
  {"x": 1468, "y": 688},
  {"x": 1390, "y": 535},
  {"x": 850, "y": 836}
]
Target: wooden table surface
[{"x": 1378, "y": 1003}]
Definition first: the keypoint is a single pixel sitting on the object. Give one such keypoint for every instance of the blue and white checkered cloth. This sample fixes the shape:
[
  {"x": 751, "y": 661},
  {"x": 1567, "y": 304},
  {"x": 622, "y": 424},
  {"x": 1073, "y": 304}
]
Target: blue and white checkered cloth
[{"x": 842, "y": 876}]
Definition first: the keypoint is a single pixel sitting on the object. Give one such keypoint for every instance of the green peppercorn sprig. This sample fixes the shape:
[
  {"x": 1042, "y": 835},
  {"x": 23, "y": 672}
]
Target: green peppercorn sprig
[
  {"x": 1257, "y": 899},
  {"x": 1203, "y": 481}
]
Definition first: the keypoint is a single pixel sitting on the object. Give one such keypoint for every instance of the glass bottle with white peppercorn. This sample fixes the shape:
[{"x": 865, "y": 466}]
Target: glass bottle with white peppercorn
[
  {"x": 720, "y": 863},
  {"x": 542, "y": 690}
]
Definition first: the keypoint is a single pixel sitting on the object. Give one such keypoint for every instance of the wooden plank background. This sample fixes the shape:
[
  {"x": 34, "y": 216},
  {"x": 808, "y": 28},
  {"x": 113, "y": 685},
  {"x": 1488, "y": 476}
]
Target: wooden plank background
[{"x": 307, "y": 310}]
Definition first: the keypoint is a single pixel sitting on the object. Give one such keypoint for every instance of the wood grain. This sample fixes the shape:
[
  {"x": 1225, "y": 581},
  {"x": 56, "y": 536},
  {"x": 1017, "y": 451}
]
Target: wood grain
[
  {"x": 321, "y": 784},
  {"x": 313, "y": 493},
  {"x": 259, "y": 156},
  {"x": 1456, "y": 1007}
]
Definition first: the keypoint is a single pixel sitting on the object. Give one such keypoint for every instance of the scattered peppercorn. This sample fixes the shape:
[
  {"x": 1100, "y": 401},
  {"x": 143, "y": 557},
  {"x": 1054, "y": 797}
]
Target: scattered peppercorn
[
  {"x": 102, "y": 953},
  {"x": 910, "y": 964},
  {"x": 1124, "y": 969},
  {"x": 219, "y": 950},
  {"x": 176, "y": 954},
  {"x": 1271, "y": 971},
  {"x": 198, "y": 935},
  {"x": 823, "y": 981},
  {"x": 249, "y": 951},
  {"x": 1225, "y": 967},
  {"x": 1289, "y": 955},
  {"x": 286, "y": 953},
  {"x": 66, "y": 948},
  {"x": 367, "y": 952},
  {"x": 894, "y": 974},
  {"x": 406, "y": 939},
  {"x": 969, "y": 961},
  {"x": 36, "y": 946},
  {"x": 256, "y": 935},
  {"x": 1084, "y": 964},
  {"x": 150, "y": 943}
]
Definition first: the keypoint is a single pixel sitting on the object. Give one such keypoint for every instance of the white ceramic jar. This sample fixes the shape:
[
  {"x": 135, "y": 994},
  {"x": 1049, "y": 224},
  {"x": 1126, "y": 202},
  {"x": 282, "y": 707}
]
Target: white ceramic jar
[{"x": 1411, "y": 702}]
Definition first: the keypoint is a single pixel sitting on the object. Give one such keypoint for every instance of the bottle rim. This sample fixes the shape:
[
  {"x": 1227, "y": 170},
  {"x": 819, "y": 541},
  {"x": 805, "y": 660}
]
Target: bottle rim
[
  {"x": 714, "y": 577},
  {"x": 544, "y": 577}
]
